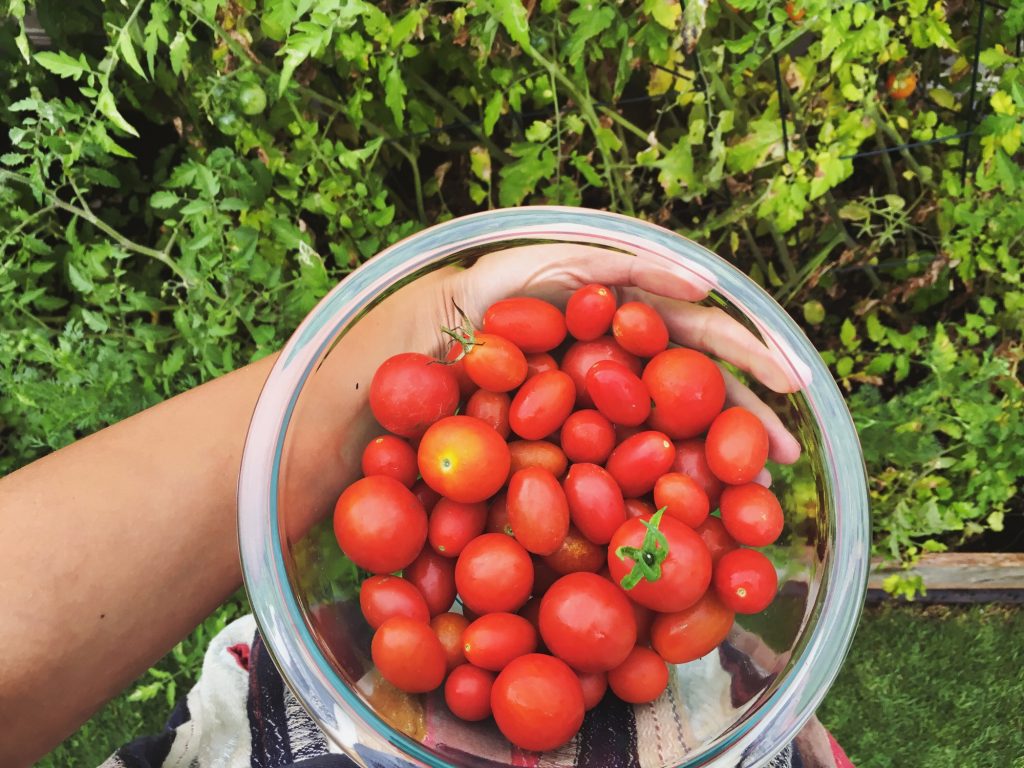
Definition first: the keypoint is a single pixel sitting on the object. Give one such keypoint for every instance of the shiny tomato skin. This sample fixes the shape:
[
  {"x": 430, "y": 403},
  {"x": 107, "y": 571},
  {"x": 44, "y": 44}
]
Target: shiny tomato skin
[
  {"x": 463, "y": 459},
  {"x": 467, "y": 692},
  {"x": 736, "y": 446},
  {"x": 378, "y": 522},
  {"x": 594, "y": 685},
  {"x": 434, "y": 576},
  {"x": 641, "y": 678},
  {"x": 639, "y": 329},
  {"x": 586, "y": 621},
  {"x": 381, "y": 597},
  {"x": 449, "y": 627},
  {"x": 541, "y": 405},
  {"x": 638, "y": 461},
  {"x": 638, "y": 508},
  {"x": 587, "y": 437},
  {"x": 579, "y": 358},
  {"x": 531, "y": 324},
  {"x": 683, "y": 498},
  {"x": 494, "y": 573},
  {"x": 618, "y": 393},
  {"x": 408, "y": 655},
  {"x": 692, "y": 461},
  {"x": 391, "y": 456},
  {"x": 427, "y": 496},
  {"x": 537, "y": 702},
  {"x": 497, "y": 516},
  {"x": 694, "y": 632},
  {"x": 537, "y": 510},
  {"x": 588, "y": 315},
  {"x": 493, "y": 640},
  {"x": 595, "y": 502},
  {"x": 537, "y": 453},
  {"x": 901, "y": 85},
  {"x": 688, "y": 391},
  {"x": 453, "y": 525},
  {"x": 752, "y": 514},
  {"x": 410, "y": 391},
  {"x": 457, "y": 366},
  {"x": 494, "y": 363},
  {"x": 745, "y": 581},
  {"x": 715, "y": 537},
  {"x": 540, "y": 362},
  {"x": 492, "y": 409},
  {"x": 576, "y": 553}
]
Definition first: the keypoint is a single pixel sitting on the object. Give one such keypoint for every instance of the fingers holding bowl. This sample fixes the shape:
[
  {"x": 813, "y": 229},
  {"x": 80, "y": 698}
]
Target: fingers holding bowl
[{"x": 782, "y": 446}]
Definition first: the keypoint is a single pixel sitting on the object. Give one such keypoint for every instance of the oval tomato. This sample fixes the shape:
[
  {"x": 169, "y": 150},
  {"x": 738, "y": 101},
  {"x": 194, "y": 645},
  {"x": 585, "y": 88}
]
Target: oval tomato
[
  {"x": 692, "y": 633},
  {"x": 688, "y": 391},
  {"x": 494, "y": 573},
  {"x": 752, "y": 514},
  {"x": 639, "y": 329},
  {"x": 390, "y": 456},
  {"x": 539, "y": 362},
  {"x": 453, "y": 525},
  {"x": 718, "y": 541},
  {"x": 410, "y": 391},
  {"x": 576, "y": 553},
  {"x": 434, "y": 576},
  {"x": 492, "y": 409},
  {"x": 408, "y": 655},
  {"x": 541, "y": 405},
  {"x": 537, "y": 453},
  {"x": 497, "y": 516},
  {"x": 588, "y": 315},
  {"x": 587, "y": 437},
  {"x": 531, "y": 324},
  {"x": 641, "y": 678},
  {"x": 638, "y": 461},
  {"x": 492, "y": 641},
  {"x": 448, "y": 627},
  {"x": 618, "y": 393},
  {"x": 380, "y": 525},
  {"x": 639, "y": 508},
  {"x": 736, "y": 446},
  {"x": 537, "y": 510},
  {"x": 582, "y": 355},
  {"x": 594, "y": 685},
  {"x": 467, "y": 692},
  {"x": 381, "y": 597},
  {"x": 464, "y": 459},
  {"x": 683, "y": 498},
  {"x": 746, "y": 581},
  {"x": 537, "y": 702},
  {"x": 691, "y": 461},
  {"x": 595, "y": 502},
  {"x": 494, "y": 363}
]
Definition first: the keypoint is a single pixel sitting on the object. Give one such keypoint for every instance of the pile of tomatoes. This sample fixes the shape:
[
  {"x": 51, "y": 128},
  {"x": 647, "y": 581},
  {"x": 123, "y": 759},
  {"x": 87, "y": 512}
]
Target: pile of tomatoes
[{"x": 552, "y": 481}]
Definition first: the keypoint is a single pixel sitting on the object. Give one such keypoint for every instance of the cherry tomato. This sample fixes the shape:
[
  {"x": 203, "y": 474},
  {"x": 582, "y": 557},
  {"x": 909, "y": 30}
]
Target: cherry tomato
[
  {"x": 457, "y": 366},
  {"x": 692, "y": 633},
  {"x": 410, "y": 391},
  {"x": 453, "y": 525},
  {"x": 464, "y": 459},
  {"x": 688, "y": 391},
  {"x": 543, "y": 576},
  {"x": 594, "y": 685},
  {"x": 641, "y": 678},
  {"x": 736, "y": 446},
  {"x": 586, "y": 621},
  {"x": 379, "y": 524},
  {"x": 587, "y": 437},
  {"x": 539, "y": 362},
  {"x": 618, "y": 393},
  {"x": 541, "y": 405},
  {"x": 638, "y": 508},
  {"x": 718, "y": 541},
  {"x": 494, "y": 573},
  {"x": 449, "y": 628},
  {"x": 537, "y": 510},
  {"x": 494, "y": 363},
  {"x": 408, "y": 654},
  {"x": 595, "y": 502},
  {"x": 752, "y": 514},
  {"x": 638, "y": 461},
  {"x": 531, "y": 612},
  {"x": 391, "y": 456},
  {"x": 639, "y": 329},
  {"x": 537, "y": 453},
  {"x": 381, "y": 597},
  {"x": 492, "y": 409},
  {"x": 252, "y": 100},
  {"x": 685, "y": 569},
  {"x": 467, "y": 692},
  {"x": 434, "y": 576},
  {"x": 795, "y": 13},
  {"x": 426, "y": 495},
  {"x": 497, "y": 516},
  {"x": 644, "y": 617},
  {"x": 576, "y": 553},
  {"x": 684, "y": 499},
  {"x": 583, "y": 354},
  {"x": 900, "y": 85},
  {"x": 745, "y": 581},
  {"x": 492, "y": 641},
  {"x": 531, "y": 324},
  {"x": 588, "y": 315},
  {"x": 537, "y": 702},
  {"x": 691, "y": 461}
]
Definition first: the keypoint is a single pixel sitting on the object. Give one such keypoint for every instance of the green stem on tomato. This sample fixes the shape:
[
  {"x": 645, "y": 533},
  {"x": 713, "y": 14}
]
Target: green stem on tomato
[{"x": 648, "y": 557}]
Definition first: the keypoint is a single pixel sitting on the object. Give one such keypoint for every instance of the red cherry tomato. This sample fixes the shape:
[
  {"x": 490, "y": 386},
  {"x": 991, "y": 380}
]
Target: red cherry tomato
[
  {"x": 752, "y": 514},
  {"x": 683, "y": 497},
  {"x": 541, "y": 405},
  {"x": 467, "y": 692},
  {"x": 537, "y": 510},
  {"x": 492, "y": 641},
  {"x": 531, "y": 612},
  {"x": 543, "y": 576},
  {"x": 539, "y": 362},
  {"x": 434, "y": 576},
  {"x": 638, "y": 461},
  {"x": 588, "y": 315},
  {"x": 618, "y": 393},
  {"x": 379, "y": 524},
  {"x": 497, "y": 516},
  {"x": 410, "y": 391},
  {"x": 494, "y": 363},
  {"x": 718, "y": 541},
  {"x": 639, "y": 329},
  {"x": 595, "y": 502},
  {"x": 795, "y": 13},
  {"x": 691, "y": 461},
  {"x": 586, "y": 621},
  {"x": 900, "y": 85},
  {"x": 408, "y": 655},
  {"x": 427, "y": 496},
  {"x": 457, "y": 366},
  {"x": 381, "y": 597},
  {"x": 736, "y": 446},
  {"x": 692, "y": 633},
  {"x": 583, "y": 354},
  {"x": 453, "y": 525},
  {"x": 537, "y": 702},
  {"x": 492, "y": 409},
  {"x": 644, "y": 617},
  {"x": 494, "y": 573},
  {"x": 576, "y": 553},
  {"x": 639, "y": 508},
  {"x": 448, "y": 627},
  {"x": 587, "y": 437},
  {"x": 594, "y": 685},
  {"x": 745, "y": 581},
  {"x": 641, "y": 678},
  {"x": 688, "y": 391},
  {"x": 390, "y": 456},
  {"x": 464, "y": 459},
  {"x": 537, "y": 453},
  {"x": 531, "y": 324}
]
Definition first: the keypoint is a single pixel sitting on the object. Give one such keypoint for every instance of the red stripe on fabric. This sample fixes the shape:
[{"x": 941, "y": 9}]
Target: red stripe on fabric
[{"x": 842, "y": 761}]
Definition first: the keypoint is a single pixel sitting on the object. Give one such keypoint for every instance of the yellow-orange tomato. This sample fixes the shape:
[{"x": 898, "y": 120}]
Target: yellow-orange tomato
[{"x": 463, "y": 459}]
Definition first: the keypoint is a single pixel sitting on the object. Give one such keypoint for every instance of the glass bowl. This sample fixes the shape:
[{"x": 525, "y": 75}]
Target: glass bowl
[{"x": 739, "y": 705}]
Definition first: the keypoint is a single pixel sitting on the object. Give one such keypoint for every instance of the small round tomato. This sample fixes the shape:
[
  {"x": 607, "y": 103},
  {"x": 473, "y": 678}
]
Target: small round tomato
[
  {"x": 736, "y": 446},
  {"x": 746, "y": 581},
  {"x": 638, "y": 461},
  {"x": 796, "y": 14},
  {"x": 410, "y": 391},
  {"x": 252, "y": 100},
  {"x": 449, "y": 628},
  {"x": 434, "y": 576},
  {"x": 583, "y": 354},
  {"x": 467, "y": 692},
  {"x": 691, "y": 460},
  {"x": 497, "y": 516},
  {"x": 586, "y": 621},
  {"x": 456, "y": 364},
  {"x": 641, "y": 678},
  {"x": 391, "y": 456},
  {"x": 453, "y": 525},
  {"x": 682, "y": 497},
  {"x": 539, "y": 362},
  {"x": 381, "y": 597},
  {"x": 537, "y": 702},
  {"x": 380, "y": 525},
  {"x": 537, "y": 453},
  {"x": 492, "y": 641},
  {"x": 594, "y": 685},
  {"x": 595, "y": 502},
  {"x": 752, "y": 514},
  {"x": 541, "y": 405},
  {"x": 692, "y": 633},
  {"x": 588, "y": 315},
  {"x": 537, "y": 510},
  {"x": 427, "y": 496},
  {"x": 639, "y": 329},
  {"x": 494, "y": 363},
  {"x": 587, "y": 437},
  {"x": 492, "y": 409},
  {"x": 900, "y": 85},
  {"x": 531, "y": 324},
  {"x": 464, "y": 459},
  {"x": 639, "y": 508},
  {"x": 718, "y": 541},
  {"x": 576, "y": 553},
  {"x": 494, "y": 573},
  {"x": 408, "y": 655},
  {"x": 618, "y": 393},
  {"x": 688, "y": 391}
]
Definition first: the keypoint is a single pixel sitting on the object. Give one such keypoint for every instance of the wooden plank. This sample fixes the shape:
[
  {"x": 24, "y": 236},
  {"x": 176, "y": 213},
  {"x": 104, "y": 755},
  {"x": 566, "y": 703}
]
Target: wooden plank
[{"x": 963, "y": 571}]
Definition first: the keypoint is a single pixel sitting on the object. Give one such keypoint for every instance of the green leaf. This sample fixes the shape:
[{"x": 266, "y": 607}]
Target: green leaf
[
  {"x": 127, "y": 51},
  {"x": 105, "y": 104},
  {"x": 519, "y": 179},
  {"x": 538, "y": 132},
  {"x": 854, "y": 211},
  {"x": 163, "y": 199},
  {"x": 394, "y": 90},
  {"x": 81, "y": 282},
  {"x": 63, "y": 65},
  {"x": 752, "y": 151},
  {"x": 665, "y": 12},
  {"x": 583, "y": 165},
  {"x": 848, "y": 334},
  {"x": 492, "y": 111},
  {"x": 95, "y": 321},
  {"x": 589, "y": 22},
  {"x": 512, "y": 15},
  {"x": 179, "y": 53}
]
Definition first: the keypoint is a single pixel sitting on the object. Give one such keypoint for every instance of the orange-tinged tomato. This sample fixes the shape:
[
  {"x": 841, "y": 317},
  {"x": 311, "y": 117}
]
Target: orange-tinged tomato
[
  {"x": 537, "y": 510},
  {"x": 531, "y": 324},
  {"x": 463, "y": 459},
  {"x": 900, "y": 85},
  {"x": 492, "y": 409},
  {"x": 537, "y": 453},
  {"x": 693, "y": 632},
  {"x": 576, "y": 553},
  {"x": 494, "y": 363},
  {"x": 449, "y": 628}
]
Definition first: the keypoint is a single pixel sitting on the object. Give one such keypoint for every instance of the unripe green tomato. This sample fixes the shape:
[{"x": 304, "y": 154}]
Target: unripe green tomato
[{"x": 252, "y": 100}]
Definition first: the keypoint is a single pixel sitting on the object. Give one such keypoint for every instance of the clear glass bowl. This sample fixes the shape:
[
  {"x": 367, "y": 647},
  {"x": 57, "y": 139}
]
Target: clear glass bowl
[{"x": 739, "y": 705}]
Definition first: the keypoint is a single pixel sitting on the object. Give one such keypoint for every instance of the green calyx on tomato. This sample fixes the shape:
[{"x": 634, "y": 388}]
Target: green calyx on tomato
[
  {"x": 463, "y": 334},
  {"x": 648, "y": 557}
]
